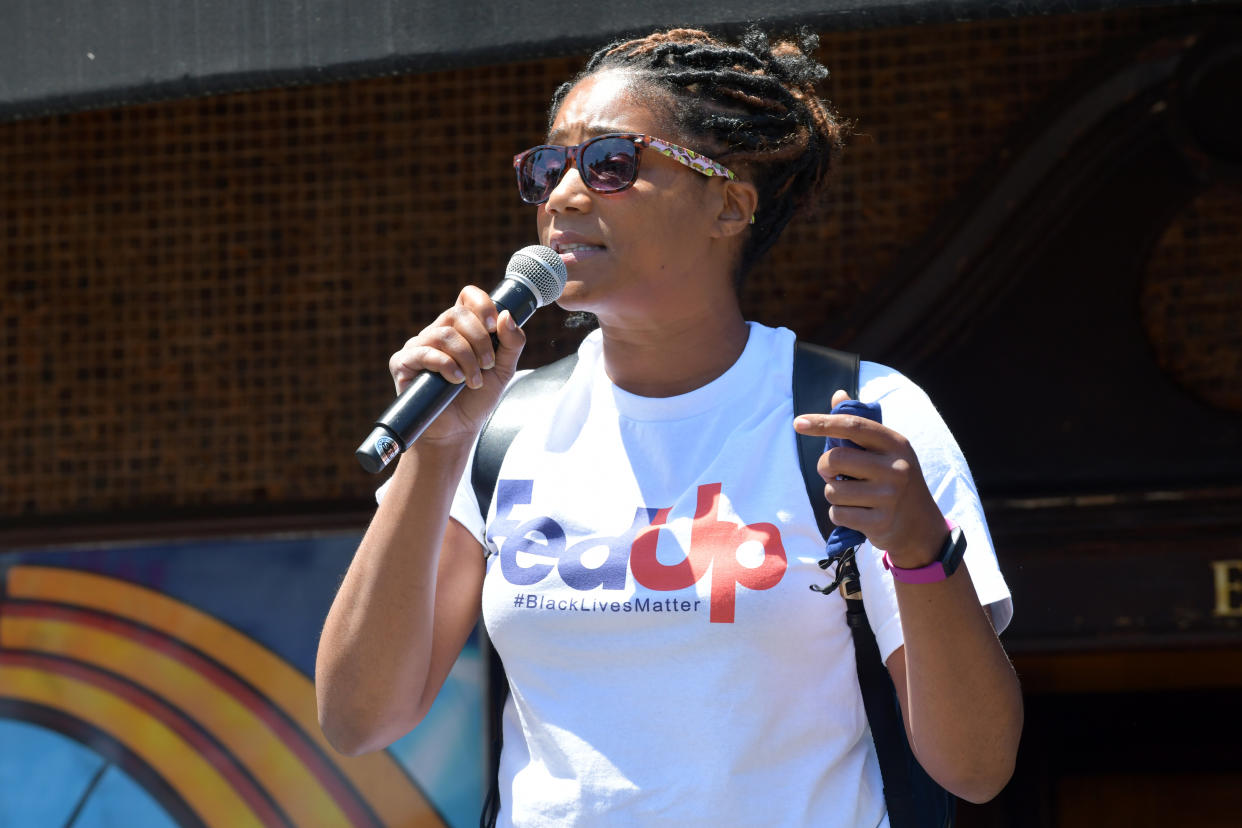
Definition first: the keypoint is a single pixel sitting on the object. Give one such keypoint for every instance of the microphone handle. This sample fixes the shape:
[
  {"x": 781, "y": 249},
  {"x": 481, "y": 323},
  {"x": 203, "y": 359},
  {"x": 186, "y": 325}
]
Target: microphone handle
[{"x": 429, "y": 394}]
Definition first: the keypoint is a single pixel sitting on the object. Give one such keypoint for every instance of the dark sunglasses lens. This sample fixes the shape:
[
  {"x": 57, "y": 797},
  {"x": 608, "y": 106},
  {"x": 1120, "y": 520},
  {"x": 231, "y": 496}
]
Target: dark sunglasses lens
[
  {"x": 610, "y": 164},
  {"x": 539, "y": 172}
]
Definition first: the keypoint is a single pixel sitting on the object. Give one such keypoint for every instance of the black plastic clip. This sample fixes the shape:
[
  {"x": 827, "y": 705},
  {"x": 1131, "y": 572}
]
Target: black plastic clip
[{"x": 845, "y": 565}]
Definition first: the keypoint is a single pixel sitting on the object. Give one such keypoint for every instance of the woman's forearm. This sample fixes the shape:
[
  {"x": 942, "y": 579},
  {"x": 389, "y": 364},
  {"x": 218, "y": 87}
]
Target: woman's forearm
[
  {"x": 961, "y": 697},
  {"x": 376, "y": 650}
]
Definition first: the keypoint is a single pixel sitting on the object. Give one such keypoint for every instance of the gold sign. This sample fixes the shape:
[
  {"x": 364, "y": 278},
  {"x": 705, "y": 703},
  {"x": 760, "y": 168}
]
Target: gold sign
[{"x": 1228, "y": 589}]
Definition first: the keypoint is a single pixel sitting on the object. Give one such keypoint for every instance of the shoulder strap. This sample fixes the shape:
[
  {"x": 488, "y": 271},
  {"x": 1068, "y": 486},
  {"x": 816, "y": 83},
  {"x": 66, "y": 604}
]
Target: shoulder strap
[
  {"x": 817, "y": 373},
  {"x": 913, "y": 799},
  {"x": 519, "y": 404},
  {"x": 522, "y": 401}
]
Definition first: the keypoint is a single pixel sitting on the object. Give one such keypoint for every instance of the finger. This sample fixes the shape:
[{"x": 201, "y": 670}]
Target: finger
[
  {"x": 864, "y": 494},
  {"x": 865, "y": 432},
  {"x": 401, "y": 378},
  {"x": 840, "y": 396},
  {"x": 857, "y": 464},
  {"x": 481, "y": 304},
  {"x": 854, "y": 517},
  {"x": 415, "y": 358},
  {"x": 511, "y": 339},
  {"x": 439, "y": 348},
  {"x": 471, "y": 329}
]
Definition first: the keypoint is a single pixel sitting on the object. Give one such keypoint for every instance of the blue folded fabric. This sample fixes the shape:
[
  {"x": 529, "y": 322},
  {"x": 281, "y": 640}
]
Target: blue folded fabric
[{"x": 842, "y": 539}]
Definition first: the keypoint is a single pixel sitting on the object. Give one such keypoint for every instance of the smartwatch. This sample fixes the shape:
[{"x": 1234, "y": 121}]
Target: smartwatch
[{"x": 945, "y": 564}]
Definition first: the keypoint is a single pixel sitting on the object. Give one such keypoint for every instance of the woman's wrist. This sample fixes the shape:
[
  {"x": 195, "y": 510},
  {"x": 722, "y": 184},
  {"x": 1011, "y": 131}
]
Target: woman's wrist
[
  {"x": 923, "y": 552},
  {"x": 435, "y": 458}
]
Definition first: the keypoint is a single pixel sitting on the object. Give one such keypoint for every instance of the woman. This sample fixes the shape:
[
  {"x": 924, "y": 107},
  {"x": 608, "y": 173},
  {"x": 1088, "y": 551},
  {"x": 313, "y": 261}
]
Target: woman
[{"x": 643, "y": 570}]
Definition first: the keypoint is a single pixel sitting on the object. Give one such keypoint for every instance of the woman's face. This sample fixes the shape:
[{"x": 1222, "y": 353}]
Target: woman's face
[{"x": 644, "y": 254}]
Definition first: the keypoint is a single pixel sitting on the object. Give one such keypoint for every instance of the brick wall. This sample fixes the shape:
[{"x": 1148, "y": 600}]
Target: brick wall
[{"x": 199, "y": 297}]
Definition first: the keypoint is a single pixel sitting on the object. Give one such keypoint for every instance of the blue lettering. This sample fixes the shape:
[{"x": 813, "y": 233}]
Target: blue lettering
[
  {"x": 611, "y": 573},
  {"x": 549, "y": 543},
  {"x": 510, "y": 493}
]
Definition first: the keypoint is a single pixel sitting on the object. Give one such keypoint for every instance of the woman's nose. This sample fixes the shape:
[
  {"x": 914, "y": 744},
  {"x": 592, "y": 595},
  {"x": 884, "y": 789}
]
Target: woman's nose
[{"x": 570, "y": 193}]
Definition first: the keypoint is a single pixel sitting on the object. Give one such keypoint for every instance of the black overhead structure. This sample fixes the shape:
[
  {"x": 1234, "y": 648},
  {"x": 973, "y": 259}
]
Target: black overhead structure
[
  {"x": 1019, "y": 312},
  {"x": 66, "y": 55}
]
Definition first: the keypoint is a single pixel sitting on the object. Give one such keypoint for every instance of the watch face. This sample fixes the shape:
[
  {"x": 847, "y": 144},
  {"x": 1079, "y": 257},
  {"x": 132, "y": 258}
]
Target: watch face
[
  {"x": 954, "y": 549},
  {"x": 944, "y": 565}
]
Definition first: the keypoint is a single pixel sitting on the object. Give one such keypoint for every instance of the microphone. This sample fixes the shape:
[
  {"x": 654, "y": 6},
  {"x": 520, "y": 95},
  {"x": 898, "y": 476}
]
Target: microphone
[{"x": 534, "y": 277}]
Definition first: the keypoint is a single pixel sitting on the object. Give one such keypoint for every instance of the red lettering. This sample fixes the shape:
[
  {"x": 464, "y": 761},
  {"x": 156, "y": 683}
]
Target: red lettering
[
  {"x": 652, "y": 574},
  {"x": 724, "y": 538},
  {"x": 713, "y": 544}
]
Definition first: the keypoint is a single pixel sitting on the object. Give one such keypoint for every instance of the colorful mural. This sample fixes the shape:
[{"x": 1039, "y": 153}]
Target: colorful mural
[{"x": 170, "y": 684}]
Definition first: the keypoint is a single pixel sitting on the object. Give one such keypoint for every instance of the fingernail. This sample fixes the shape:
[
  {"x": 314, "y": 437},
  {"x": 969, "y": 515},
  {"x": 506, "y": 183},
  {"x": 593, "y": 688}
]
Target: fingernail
[
  {"x": 476, "y": 381},
  {"x": 491, "y": 324},
  {"x": 801, "y": 422},
  {"x": 488, "y": 362},
  {"x": 510, "y": 324},
  {"x": 457, "y": 375}
]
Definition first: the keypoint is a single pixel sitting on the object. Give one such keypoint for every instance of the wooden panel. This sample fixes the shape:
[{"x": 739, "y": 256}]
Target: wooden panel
[
  {"x": 1128, "y": 759},
  {"x": 1148, "y": 571},
  {"x": 1132, "y": 671},
  {"x": 1148, "y": 800}
]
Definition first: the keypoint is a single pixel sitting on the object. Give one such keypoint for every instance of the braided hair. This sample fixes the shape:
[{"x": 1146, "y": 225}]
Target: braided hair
[{"x": 750, "y": 106}]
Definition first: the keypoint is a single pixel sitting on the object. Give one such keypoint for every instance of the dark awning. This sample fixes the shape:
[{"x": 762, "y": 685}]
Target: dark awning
[{"x": 59, "y": 55}]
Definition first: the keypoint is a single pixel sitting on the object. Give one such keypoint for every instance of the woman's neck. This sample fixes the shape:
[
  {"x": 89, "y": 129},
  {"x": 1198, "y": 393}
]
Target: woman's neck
[{"x": 675, "y": 356}]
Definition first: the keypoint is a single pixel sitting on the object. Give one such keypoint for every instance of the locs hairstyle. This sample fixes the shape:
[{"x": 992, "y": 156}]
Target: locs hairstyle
[{"x": 751, "y": 106}]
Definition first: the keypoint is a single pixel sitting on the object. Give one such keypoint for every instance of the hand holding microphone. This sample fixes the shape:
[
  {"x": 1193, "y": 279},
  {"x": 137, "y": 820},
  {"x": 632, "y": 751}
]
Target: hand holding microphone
[{"x": 456, "y": 351}]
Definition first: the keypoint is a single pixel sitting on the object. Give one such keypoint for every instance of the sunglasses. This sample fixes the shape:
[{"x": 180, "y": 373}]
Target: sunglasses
[{"x": 607, "y": 164}]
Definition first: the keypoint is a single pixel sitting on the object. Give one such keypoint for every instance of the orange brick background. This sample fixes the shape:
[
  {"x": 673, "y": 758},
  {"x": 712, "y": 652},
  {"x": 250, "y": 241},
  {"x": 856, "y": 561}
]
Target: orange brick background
[{"x": 199, "y": 297}]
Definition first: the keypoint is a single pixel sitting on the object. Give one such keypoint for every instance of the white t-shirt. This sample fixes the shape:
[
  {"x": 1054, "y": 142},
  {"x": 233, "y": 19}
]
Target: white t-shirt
[{"x": 647, "y": 588}]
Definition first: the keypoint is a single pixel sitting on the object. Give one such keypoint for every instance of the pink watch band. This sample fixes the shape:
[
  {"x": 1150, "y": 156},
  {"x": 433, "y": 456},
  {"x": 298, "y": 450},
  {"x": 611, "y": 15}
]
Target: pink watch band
[{"x": 929, "y": 574}]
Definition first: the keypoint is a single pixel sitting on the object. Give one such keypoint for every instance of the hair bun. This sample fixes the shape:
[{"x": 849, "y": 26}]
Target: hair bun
[{"x": 791, "y": 60}]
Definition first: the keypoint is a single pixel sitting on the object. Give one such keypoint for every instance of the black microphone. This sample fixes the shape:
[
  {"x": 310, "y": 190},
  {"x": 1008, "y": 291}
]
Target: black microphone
[{"x": 534, "y": 277}]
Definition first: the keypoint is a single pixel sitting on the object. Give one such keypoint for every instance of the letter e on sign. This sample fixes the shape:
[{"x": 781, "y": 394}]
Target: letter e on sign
[{"x": 1228, "y": 589}]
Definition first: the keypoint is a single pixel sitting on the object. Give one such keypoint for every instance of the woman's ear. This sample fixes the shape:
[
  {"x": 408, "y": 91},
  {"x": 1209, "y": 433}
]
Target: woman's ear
[{"x": 739, "y": 200}]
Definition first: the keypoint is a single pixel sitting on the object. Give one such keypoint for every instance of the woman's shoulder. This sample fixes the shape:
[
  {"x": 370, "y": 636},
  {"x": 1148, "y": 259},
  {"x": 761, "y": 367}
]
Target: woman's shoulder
[
  {"x": 905, "y": 406},
  {"x": 878, "y": 382}
]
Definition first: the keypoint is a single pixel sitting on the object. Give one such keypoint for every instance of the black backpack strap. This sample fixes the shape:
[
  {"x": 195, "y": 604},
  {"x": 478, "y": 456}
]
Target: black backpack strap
[
  {"x": 817, "y": 373},
  {"x": 522, "y": 401},
  {"x": 913, "y": 799}
]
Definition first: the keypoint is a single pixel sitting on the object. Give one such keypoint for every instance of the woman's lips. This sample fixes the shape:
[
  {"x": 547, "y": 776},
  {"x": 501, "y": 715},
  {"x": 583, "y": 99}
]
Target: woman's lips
[{"x": 571, "y": 253}]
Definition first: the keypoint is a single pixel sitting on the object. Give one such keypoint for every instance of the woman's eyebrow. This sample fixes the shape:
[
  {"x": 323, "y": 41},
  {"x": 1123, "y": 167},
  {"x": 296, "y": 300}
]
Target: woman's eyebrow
[{"x": 556, "y": 135}]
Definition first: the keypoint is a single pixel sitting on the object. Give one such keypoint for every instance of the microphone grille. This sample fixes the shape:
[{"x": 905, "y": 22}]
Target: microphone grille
[{"x": 541, "y": 268}]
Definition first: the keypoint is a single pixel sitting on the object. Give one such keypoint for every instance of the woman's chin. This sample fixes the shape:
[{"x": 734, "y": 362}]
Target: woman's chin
[{"x": 575, "y": 297}]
